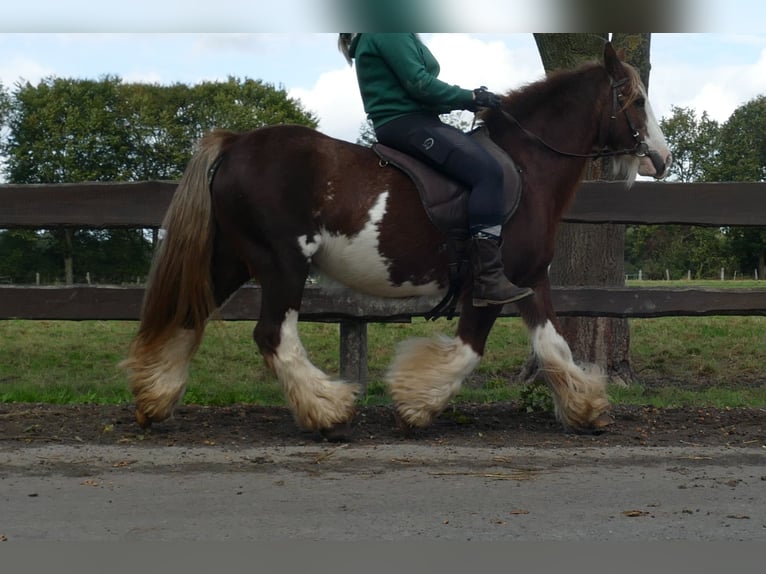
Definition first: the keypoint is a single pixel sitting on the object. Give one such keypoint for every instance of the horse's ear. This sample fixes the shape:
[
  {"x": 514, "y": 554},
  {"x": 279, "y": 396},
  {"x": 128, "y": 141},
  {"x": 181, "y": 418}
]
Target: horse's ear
[{"x": 612, "y": 61}]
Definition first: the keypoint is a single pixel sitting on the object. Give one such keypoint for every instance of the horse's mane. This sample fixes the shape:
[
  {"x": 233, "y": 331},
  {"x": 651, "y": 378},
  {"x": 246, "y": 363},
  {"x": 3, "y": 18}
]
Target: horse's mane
[{"x": 559, "y": 83}]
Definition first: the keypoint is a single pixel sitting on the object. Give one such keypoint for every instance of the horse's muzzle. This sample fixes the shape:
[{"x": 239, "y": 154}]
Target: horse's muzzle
[{"x": 661, "y": 165}]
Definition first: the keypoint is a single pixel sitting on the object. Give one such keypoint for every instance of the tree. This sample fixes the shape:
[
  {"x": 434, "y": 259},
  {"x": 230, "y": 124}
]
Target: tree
[
  {"x": 678, "y": 249},
  {"x": 603, "y": 341},
  {"x": 5, "y": 105},
  {"x": 64, "y": 131},
  {"x": 742, "y": 157},
  {"x": 68, "y": 130},
  {"x": 695, "y": 143},
  {"x": 366, "y": 134}
]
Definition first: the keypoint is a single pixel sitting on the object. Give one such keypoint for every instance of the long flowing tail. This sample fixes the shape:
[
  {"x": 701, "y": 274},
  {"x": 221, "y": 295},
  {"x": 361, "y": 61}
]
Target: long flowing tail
[{"x": 178, "y": 299}]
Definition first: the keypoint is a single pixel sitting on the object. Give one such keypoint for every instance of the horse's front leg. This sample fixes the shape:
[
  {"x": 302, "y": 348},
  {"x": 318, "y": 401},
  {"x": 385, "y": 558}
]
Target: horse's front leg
[
  {"x": 427, "y": 373},
  {"x": 316, "y": 401},
  {"x": 579, "y": 391}
]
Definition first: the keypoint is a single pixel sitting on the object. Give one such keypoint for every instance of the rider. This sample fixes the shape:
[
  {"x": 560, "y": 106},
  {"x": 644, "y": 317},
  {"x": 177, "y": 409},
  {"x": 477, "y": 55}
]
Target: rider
[{"x": 403, "y": 98}]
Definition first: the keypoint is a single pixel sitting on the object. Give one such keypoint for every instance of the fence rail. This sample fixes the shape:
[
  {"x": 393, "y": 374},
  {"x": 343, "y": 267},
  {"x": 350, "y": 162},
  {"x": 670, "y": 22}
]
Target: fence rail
[
  {"x": 143, "y": 204},
  {"x": 106, "y": 303}
]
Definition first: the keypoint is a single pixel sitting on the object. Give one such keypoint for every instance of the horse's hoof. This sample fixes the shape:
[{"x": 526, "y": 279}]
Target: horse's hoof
[
  {"x": 407, "y": 429},
  {"x": 340, "y": 432},
  {"x": 402, "y": 424},
  {"x": 597, "y": 427},
  {"x": 602, "y": 421},
  {"x": 143, "y": 421}
]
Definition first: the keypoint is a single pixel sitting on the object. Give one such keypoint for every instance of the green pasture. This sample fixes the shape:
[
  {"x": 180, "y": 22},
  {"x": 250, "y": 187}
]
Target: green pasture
[{"x": 715, "y": 361}]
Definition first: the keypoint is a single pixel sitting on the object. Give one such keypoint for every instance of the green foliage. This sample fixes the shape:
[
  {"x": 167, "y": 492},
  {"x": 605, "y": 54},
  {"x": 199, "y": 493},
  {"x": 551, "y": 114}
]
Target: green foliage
[
  {"x": 677, "y": 249},
  {"x": 743, "y": 144},
  {"x": 26, "y": 252},
  {"x": 695, "y": 143},
  {"x": 535, "y": 397},
  {"x": 366, "y": 134},
  {"x": 743, "y": 158},
  {"x": 5, "y": 105},
  {"x": 703, "y": 150},
  {"x": 69, "y": 130}
]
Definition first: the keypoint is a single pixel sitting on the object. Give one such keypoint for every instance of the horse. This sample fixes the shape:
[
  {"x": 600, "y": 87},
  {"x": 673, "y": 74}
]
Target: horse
[{"x": 274, "y": 203}]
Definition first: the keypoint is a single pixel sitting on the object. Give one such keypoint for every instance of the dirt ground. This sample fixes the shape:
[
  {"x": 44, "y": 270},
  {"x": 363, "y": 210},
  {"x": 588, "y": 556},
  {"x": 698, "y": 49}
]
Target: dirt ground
[{"x": 493, "y": 425}]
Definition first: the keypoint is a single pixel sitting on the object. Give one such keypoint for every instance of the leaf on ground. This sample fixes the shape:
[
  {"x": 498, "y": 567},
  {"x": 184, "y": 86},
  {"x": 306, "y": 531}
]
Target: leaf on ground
[{"x": 634, "y": 513}]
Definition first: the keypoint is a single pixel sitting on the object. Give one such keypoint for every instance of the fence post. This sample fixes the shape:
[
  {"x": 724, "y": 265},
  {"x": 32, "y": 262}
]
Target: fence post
[{"x": 353, "y": 352}]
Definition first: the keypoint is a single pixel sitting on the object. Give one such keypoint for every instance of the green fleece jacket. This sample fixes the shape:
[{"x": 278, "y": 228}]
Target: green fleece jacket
[{"x": 397, "y": 75}]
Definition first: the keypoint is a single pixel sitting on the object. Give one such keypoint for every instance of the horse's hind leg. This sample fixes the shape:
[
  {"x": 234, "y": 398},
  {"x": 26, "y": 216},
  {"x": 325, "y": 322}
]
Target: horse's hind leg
[
  {"x": 158, "y": 375},
  {"x": 579, "y": 392},
  {"x": 159, "y": 379},
  {"x": 316, "y": 401}
]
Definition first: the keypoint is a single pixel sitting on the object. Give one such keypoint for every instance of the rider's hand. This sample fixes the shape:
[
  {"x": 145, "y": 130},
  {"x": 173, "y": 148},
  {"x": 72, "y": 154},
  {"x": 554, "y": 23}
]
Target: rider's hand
[{"x": 483, "y": 98}]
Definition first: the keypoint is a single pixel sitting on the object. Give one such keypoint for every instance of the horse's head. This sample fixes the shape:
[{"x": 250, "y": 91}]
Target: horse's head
[{"x": 629, "y": 122}]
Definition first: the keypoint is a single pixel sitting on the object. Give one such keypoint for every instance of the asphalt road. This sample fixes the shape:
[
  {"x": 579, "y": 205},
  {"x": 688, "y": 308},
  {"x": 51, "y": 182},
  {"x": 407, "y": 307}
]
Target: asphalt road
[{"x": 409, "y": 492}]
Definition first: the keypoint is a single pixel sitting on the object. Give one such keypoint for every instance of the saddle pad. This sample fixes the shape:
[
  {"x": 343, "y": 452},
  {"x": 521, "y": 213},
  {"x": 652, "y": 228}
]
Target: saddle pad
[{"x": 445, "y": 200}]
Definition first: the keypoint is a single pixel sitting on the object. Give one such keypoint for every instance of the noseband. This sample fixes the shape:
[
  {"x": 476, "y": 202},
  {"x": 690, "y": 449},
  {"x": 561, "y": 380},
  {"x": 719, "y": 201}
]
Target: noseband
[{"x": 641, "y": 149}]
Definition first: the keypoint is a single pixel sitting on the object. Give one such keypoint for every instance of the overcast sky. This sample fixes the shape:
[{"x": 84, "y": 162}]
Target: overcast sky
[{"x": 715, "y": 69}]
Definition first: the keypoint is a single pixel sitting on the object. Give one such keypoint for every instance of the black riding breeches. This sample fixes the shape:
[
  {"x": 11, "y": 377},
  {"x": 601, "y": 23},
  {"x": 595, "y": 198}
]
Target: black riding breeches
[{"x": 453, "y": 153}]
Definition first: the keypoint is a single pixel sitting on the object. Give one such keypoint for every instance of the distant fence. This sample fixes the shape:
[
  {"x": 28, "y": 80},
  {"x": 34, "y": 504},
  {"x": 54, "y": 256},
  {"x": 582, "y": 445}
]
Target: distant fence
[{"x": 143, "y": 205}]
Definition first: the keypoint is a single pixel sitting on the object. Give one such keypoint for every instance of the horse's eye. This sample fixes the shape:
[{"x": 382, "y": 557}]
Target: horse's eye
[{"x": 640, "y": 102}]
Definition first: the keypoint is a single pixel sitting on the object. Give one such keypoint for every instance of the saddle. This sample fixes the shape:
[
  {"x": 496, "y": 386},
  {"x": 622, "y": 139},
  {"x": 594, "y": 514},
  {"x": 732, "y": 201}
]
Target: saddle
[
  {"x": 444, "y": 199},
  {"x": 446, "y": 204}
]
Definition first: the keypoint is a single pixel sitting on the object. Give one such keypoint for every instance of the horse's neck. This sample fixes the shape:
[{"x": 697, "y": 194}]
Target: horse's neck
[{"x": 565, "y": 138}]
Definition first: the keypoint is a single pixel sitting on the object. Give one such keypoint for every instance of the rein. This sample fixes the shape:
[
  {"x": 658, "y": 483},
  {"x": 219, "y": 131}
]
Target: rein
[{"x": 641, "y": 149}]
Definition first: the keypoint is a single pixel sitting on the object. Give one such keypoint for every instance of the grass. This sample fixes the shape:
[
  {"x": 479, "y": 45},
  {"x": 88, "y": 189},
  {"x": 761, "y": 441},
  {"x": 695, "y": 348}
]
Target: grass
[
  {"x": 700, "y": 283},
  {"x": 716, "y": 361}
]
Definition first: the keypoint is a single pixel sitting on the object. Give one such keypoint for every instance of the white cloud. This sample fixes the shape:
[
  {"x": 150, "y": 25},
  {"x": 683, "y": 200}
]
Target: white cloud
[
  {"x": 465, "y": 60},
  {"x": 335, "y": 99},
  {"x": 716, "y": 88},
  {"x": 472, "y": 62},
  {"x": 21, "y": 70}
]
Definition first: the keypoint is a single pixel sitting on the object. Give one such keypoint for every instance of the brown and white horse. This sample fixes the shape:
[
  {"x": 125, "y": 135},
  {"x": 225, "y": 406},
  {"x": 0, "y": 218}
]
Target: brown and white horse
[{"x": 271, "y": 203}]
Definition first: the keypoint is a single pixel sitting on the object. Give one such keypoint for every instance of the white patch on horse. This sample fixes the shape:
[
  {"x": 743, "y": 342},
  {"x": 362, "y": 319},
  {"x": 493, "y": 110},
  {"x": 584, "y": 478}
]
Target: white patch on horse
[
  {"x": 579, "y": 391},
  {"x": 316, "y": 401},
  {"x": 309, "y": 246},
  {"x": 426, "y": 374},
  {"x": 160, "y": 382},
  {"x": 656, "y": 142},
  {"x": 356, "y": 260},
  {"x": 547, "y": 342}
]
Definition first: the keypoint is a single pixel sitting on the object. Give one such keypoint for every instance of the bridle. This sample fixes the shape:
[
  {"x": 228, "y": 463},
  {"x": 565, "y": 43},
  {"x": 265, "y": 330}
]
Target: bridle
[{"x": 641, "y": 149}]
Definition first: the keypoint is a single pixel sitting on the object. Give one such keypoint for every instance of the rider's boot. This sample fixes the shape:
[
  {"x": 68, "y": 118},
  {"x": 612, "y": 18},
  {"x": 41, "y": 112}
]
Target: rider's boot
[{"x": 490, "y": 285}]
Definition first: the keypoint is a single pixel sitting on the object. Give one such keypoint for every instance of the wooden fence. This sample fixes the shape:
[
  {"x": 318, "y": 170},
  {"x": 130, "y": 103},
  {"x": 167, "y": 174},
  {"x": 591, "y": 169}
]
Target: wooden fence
[{"x": 143, "y": 204}]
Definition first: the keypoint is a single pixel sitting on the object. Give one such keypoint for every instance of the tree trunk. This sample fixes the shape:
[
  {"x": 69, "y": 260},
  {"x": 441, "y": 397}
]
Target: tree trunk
[{"x": 602, "y": 341}]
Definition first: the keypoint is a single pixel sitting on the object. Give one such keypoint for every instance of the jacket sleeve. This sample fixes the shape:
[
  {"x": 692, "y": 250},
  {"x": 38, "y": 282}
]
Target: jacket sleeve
[{"x": 401, "y": 53}]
